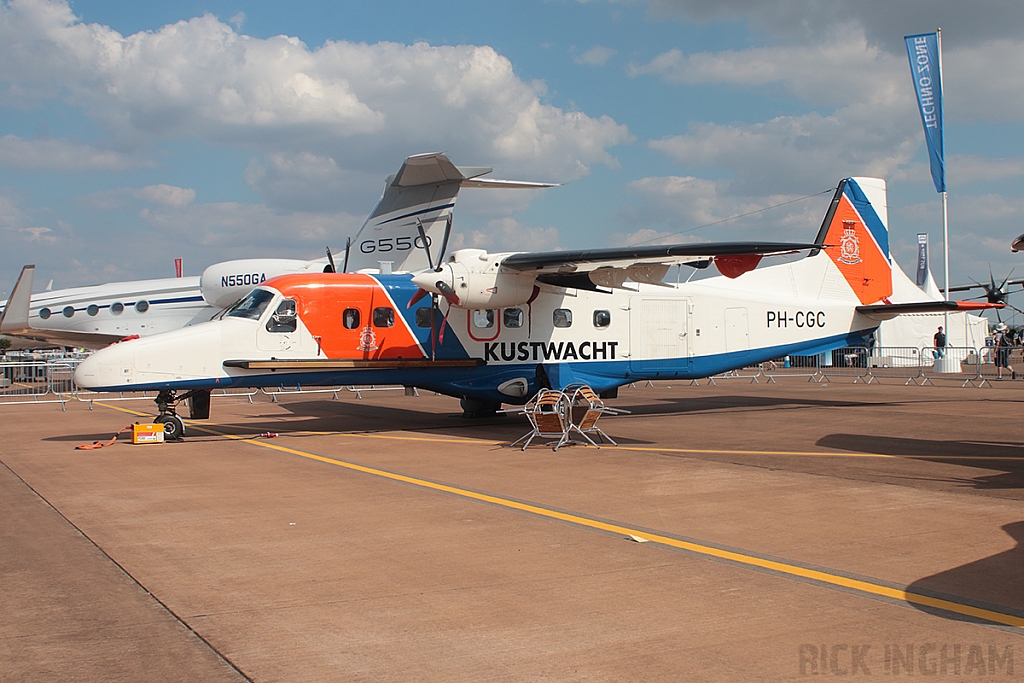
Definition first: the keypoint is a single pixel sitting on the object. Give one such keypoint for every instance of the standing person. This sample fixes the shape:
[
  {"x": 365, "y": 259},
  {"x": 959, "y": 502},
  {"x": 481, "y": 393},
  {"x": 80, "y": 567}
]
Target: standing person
[
  {"x": 939, "y": 342},
  {"x": 1003, "y": 348}
]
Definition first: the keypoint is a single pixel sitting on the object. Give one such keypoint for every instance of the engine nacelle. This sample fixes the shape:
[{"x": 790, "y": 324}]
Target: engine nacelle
[
  {"x": 224, "y": 283},
  {"x": 479, "y": 281}
]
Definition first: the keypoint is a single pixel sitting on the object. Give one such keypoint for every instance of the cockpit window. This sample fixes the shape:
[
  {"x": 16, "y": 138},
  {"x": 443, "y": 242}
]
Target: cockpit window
[
  {"x": 283, "y": 319},
  {"x": 252, "y": 306}
]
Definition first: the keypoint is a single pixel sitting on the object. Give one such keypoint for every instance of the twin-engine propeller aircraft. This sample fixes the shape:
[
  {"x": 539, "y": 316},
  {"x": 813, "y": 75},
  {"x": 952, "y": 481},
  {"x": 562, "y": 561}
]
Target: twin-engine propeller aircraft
[
  {"x": 994, "y": 293},
  {"x": 493, "y": 328},
  {"x": 414, "y": 209}
]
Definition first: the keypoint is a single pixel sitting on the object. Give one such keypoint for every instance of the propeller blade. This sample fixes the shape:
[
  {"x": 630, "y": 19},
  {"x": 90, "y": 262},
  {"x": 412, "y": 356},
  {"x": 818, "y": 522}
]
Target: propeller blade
[
  {"x": 448, "y": 293},
  {"x": 348, "y": 248},
  {"x": 330, "y": 260},
  {"x": 419, "y": 294},
  {"x": 1003, "y": 286},
  {"x": 444, "y": 241},
  {"x": 423, "y": 238},
  {"x": 444, "y": 323}
]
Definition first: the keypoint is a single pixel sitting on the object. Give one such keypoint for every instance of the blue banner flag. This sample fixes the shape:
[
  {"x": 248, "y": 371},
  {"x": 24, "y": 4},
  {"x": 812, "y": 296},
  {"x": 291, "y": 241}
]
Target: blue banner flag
[{"x": 925, "y": 52}]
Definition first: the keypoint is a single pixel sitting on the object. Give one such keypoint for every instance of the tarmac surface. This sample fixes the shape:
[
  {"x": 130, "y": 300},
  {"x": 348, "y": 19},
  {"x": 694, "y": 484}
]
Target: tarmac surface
[{"x": 740, "y": 531}]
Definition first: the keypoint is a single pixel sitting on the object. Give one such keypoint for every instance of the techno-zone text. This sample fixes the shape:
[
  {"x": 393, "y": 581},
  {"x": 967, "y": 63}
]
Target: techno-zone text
[{"x": 906, "y": 659}]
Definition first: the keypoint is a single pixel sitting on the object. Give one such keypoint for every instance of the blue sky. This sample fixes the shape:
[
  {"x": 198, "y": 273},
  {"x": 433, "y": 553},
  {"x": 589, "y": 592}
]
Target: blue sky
[{"x": 132, "y": 133}]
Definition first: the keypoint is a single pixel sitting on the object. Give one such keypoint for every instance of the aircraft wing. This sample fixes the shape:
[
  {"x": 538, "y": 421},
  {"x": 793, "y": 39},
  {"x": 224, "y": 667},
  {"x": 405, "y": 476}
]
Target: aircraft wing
[
  {"x": 964, "y": 288},
  {"x": 643, "y": 264},
  {"x": 15, "y": 320},
  {"x": 889, "y": 311}
]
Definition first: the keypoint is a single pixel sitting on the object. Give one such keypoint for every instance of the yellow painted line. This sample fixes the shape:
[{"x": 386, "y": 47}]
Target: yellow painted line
[
  {"x": 783, "y": 568},
  {"x": 644, "y": 449}
]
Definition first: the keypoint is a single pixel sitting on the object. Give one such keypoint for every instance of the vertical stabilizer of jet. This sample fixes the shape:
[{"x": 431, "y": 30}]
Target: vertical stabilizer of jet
[
  {"x": 15, "y": 318},
  {"x": 422, "y": 192}
]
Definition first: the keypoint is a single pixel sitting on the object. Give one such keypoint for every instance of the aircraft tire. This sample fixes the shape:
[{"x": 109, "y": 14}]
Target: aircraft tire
[
  {"x": 174, "y": 428},
  {"x": 472, "y": 407}
]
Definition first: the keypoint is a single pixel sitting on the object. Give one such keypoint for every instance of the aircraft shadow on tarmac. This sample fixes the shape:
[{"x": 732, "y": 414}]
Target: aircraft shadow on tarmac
[
  {"x": 703, "y": 404},
  {"x": 1001, "y": 456},
  {"x": 355, "y": 415},
  {"x": 993, "y": 582}
]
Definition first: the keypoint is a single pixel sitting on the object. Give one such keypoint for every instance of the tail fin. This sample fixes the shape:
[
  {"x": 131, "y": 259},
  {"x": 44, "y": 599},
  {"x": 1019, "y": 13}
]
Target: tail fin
[
  {"x": 15, "y": 317},
  {"x": 855, "y": 235},
  {"x": 424, "y": 189}
]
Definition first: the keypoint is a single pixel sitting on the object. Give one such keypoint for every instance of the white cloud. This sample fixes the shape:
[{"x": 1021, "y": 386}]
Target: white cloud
[
  {"x": 840, "y": 70},
  {"x": 883, "y": 21},
  {"x": 308, "y": 182},
  {"x": 61, "y": 155},
  {"x": 159, "y": 195},
  {"x": 596, "y": 56},
  {"x": 345, "y": 100},
  {"x": 507, "y": 234},
  {"x": 962, "y": 169},
  {"x": 680, "y": 209},
  {"x": 224, "y": 230},
  {"x": 166, "y": 195},
  {"x": 797, "y": 154}
]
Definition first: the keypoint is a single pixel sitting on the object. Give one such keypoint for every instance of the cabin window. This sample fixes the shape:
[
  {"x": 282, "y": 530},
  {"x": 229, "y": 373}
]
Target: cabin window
[
  {"x": 483, "y": 318},
  {"x": 117, "y": 308},
  {"x": 383, "y": 317},
  {"x": 252, "y": 306},
  {"x": 93, "y": 309},
  {"x": 68, "y": 311},
  {"x": 512, "y": 317},
  {"x": 350, "y": 318},
  {"x": 283, "y": 319},
  {"x": 424, "y": 316},
  {"x": 142, "y": 306},
  {"x": 602, "y": 318},
  {"x": 45, "y": 313},
  {"x": 562, "y": 317}
]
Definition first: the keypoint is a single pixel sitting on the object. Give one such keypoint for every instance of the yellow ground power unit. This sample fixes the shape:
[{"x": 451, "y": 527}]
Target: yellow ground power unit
[{"x": 147, "y": 433}]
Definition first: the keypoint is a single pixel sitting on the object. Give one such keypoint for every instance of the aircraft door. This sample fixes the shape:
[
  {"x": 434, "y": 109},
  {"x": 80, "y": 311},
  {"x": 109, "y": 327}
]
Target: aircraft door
[
  {"x": 280, "y": 331},
  {"x": 737, "y": 333},
  {"x": 659, "y": 334}
]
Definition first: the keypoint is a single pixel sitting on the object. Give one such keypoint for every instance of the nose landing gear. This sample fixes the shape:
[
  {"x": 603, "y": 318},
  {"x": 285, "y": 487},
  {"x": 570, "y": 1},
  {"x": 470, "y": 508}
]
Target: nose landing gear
[{"x": 166, "y": 402}]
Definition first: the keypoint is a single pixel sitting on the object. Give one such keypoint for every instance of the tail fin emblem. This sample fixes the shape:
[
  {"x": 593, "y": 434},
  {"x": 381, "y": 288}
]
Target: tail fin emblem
[{"x": 849, "y": 245}]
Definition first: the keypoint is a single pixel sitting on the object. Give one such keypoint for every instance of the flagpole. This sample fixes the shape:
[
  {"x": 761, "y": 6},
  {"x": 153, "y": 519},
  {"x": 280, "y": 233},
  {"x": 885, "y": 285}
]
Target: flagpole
[{"x": 945, "y": 213}]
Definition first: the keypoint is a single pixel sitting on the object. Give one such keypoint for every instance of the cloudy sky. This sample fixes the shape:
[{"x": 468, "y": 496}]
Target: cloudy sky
[{"x": 132, "y": 133}]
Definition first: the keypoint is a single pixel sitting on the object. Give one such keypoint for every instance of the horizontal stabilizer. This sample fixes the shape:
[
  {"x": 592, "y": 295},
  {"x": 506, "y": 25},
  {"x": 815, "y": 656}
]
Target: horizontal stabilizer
[{"x": 889, "y": 311}]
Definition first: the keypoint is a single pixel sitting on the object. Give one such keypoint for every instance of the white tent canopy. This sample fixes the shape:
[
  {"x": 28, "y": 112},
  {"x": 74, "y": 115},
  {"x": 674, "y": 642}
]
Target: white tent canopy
[{"x": 917, "y": 329}]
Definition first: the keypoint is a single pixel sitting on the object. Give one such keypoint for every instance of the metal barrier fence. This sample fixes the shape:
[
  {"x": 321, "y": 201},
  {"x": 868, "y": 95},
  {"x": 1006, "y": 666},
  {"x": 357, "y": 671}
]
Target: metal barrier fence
[
  {"x": 51, "y": 380},
  {"x": 36, "y": 381},
  {"x": 968, "y": 365}
]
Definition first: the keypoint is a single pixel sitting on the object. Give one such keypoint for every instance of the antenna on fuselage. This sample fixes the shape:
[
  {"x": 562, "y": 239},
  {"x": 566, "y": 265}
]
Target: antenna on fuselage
[
  {"x": 330, "y": 262},
  {"x": 348, "y": 248}
]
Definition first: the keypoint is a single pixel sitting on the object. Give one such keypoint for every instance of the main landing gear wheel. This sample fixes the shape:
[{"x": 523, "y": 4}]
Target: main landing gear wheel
[
  {"x": 174, "y": 428},
  {"x": 471, "y": 407}
]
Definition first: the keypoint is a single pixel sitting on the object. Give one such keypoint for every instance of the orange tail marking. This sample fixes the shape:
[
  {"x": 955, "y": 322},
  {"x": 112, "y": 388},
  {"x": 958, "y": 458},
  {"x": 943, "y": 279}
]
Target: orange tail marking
[{"x": 858, "y": 258}]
